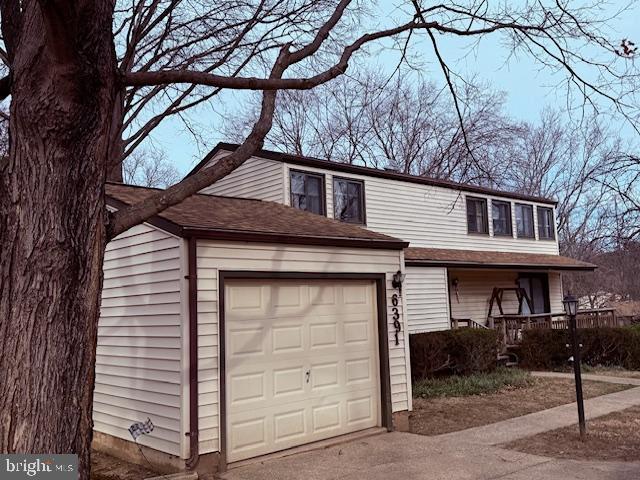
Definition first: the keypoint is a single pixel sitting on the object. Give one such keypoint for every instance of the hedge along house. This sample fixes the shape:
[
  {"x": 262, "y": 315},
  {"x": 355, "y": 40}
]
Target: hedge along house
[
  {"x": 466, "y": 242},
  {"x": 244, "y": 327}
]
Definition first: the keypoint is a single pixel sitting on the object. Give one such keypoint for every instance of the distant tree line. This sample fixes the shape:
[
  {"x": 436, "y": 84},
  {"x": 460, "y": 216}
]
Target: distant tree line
[{"x": 411, "y": 126}]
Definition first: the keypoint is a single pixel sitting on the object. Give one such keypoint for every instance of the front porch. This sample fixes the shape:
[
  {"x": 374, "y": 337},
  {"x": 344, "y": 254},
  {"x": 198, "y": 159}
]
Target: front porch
[
  {"x": 510, "y": 327},
  {"x": 506, "y": 291}
]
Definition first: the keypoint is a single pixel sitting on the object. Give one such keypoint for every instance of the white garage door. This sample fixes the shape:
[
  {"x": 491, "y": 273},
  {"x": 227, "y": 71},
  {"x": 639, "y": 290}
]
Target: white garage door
[{"x": 301, "y": 363}]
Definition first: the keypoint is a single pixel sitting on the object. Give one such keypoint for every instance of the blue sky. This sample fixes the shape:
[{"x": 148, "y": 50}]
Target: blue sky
[{"x": 528, "y": 89}]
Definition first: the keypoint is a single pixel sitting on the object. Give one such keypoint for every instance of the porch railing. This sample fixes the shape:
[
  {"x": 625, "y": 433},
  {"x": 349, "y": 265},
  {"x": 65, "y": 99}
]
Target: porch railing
[
  {"x": 510, "y": 327},
  {"x": 465, "y": 323}
]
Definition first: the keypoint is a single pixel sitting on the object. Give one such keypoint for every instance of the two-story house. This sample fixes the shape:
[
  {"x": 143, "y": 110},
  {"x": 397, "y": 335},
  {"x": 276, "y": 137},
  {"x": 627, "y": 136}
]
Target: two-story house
[
  {"x": 274, "y": 309},
  {"x": 467, "y": 244}
]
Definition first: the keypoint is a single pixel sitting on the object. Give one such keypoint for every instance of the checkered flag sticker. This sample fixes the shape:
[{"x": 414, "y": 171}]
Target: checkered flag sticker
[{"x": 141, "y": 428}]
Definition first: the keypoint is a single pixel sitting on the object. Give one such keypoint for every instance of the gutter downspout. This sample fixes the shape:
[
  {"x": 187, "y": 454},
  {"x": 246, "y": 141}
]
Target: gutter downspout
[{"x": 193, "y": 433}]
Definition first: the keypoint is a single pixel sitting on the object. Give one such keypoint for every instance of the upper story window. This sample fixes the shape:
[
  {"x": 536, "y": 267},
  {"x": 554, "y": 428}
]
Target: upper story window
[
  {"x": 348, "y": 200},
  {"x": 477, "y": 218},
  {"x": 307, "y": 192},
  {"x": 546, "y": 226},
  {"x": 501, "y": 218},
  {"x": 524, "y": 220}
]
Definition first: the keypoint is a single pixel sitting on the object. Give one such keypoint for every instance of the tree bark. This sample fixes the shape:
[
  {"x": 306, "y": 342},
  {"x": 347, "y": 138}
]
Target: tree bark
[{"x": 52, "y": 226}]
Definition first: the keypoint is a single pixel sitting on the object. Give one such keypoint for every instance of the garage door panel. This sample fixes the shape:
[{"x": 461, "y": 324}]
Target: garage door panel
[
  {"x": 246, "y": 300},
  {"x": 246, "y": 341},
  {"x": 290, "y": 425},
  {"x": 302, "y": 363},
  {"x": 357, "y": 295},
  {"x": 248, "y": 387},
  {"x": 323, "y": 335},
  {"x": 359, "y": 371},
  {"x": 323, "y": 295},
  {"x": 357, "y": 332},
  {"x": 287, "y": 338}
]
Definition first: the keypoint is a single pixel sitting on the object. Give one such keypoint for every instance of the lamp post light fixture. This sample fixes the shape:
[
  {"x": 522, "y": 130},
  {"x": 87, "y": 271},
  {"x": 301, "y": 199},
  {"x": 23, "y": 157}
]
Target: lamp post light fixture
[{"x": 571, "y": 309}]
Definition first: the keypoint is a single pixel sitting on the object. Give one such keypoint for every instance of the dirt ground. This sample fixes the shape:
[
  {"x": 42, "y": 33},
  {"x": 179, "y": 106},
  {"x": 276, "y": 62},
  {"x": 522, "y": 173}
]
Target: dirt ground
[
  {"x": 106, "y": 467},
  {"x": 614, "y": 437},
  {"x": 443, "y": 415}
]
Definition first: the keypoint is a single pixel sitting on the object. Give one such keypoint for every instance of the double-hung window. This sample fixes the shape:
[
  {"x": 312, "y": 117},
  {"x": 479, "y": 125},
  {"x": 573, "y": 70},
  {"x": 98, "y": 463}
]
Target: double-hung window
[
  {"x": 477, "y": 218},
  {"x": 546, "y": 227},
  {"x": 348, "y": 200},
  {"x": 307, "y": 192},
  {"x": 524, "y": 220},
  {"x": 501, "y": 218}
]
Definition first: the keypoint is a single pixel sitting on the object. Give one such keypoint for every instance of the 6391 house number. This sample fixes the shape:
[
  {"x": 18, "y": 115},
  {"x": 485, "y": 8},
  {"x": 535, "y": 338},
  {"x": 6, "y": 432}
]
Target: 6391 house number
[{"x": 395, "y": 316}]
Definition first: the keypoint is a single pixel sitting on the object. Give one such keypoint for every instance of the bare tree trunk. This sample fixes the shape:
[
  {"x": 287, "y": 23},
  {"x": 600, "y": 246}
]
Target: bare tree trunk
[{"x": 52, "y": 229}]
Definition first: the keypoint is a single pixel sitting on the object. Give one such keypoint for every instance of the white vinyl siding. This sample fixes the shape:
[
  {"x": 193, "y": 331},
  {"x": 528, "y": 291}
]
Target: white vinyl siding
[
  {"x": 475, "y": 288},
  {"x": 555, "y": 292},
  {"x": 215, "y": 256},
  {"x": 428, "y": 216},
  {"x": 256, "y": 178},
  {"x": 139, "y": 361},
  {"x": 425, "y": 290},
  {"x": 474, "y": 292},
  {"x": 424, "y": 215}
]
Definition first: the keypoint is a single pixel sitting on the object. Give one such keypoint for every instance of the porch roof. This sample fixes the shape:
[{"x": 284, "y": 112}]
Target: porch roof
[{"x": 417, "y": 256}]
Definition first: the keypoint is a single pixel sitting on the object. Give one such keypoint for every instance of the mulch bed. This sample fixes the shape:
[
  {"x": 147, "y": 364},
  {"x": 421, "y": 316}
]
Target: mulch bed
[
  {"x": 434, "y": 416},
  {"x": 613, "y": 437}
]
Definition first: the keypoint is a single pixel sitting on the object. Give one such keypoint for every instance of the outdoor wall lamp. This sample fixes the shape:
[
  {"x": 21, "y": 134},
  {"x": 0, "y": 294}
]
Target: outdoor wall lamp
[
  {"x": 571, "y": 309},
  {"x": 398, "y": 278}
]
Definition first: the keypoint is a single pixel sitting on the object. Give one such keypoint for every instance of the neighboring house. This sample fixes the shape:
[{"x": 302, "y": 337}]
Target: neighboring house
[
  {"x": 465, "y": 241},
  {"x": 244, "y": 327}
]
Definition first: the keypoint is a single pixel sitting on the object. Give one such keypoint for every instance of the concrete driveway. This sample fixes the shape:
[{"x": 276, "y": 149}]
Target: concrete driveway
[{"x": 407, "y": 456}]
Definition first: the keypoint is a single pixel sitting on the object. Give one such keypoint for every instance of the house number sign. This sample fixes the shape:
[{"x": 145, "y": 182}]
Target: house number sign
[{"x": 396, "y": 316}]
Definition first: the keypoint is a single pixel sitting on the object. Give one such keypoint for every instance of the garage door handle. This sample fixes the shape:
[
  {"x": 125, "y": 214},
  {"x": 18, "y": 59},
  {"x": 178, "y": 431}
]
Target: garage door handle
[{"x": 308, "y": 374}]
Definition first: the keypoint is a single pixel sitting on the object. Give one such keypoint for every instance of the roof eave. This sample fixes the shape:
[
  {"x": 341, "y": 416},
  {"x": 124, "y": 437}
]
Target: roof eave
[
  {"x": 357, "y": 170},
  {"x": 500, "y": 266},
  {"x": 262, "y": 237}
]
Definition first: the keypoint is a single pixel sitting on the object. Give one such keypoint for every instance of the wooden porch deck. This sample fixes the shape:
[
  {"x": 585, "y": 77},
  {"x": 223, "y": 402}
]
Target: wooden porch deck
[{"x": 511, "y": 327}]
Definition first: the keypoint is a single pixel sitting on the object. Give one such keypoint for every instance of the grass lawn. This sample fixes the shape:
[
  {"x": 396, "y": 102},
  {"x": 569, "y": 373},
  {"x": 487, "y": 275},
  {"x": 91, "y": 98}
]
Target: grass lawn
[
  {"x": 614, "y": 437},
  {"x": 456, "y": 403},
  {"x": 477, "y": 384}
]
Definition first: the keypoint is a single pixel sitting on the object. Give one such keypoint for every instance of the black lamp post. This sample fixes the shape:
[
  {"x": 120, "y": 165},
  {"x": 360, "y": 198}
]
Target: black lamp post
[{"x": 571, "y": 308}]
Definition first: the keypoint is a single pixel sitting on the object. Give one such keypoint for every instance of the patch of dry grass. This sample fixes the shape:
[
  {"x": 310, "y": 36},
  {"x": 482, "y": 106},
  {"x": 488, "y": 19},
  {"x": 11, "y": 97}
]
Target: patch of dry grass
[
  {"x": 613, "y": 437},
  {"x": 434, "y": 416}
]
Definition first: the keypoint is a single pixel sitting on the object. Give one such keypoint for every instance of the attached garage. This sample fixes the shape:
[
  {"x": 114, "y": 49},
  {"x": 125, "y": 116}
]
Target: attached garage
[
  {"x": 284, "y": 330},
  {"x": 302, "y": 362}
]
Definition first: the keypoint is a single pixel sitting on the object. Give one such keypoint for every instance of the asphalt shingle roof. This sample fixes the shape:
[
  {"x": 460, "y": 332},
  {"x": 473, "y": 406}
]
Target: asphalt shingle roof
[
  {"x": 209, "y": 214},
  {"x": 476, "y": 258}
]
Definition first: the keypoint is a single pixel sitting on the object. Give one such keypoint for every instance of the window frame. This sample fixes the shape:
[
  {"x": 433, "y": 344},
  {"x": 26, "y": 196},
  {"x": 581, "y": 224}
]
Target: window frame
[
  {"x": 509, "y": 218},
  {"x": 486, "y": 214},
  {"x": 362, "y": 195},
  {"x": 546, "y": 294},
  {"x": 533, "y": 224},
  {"x": 552, "y": 222},
  {"x": 323, "y": 190}
]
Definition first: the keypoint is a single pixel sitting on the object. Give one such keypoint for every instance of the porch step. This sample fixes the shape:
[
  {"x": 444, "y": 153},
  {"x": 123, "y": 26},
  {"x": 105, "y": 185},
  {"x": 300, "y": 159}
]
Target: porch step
[{"x": 508, "y": 359}]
